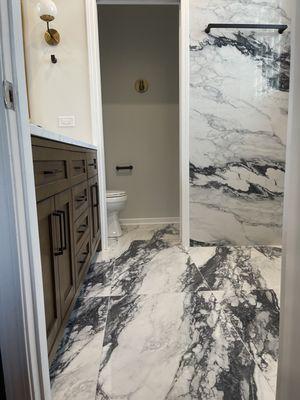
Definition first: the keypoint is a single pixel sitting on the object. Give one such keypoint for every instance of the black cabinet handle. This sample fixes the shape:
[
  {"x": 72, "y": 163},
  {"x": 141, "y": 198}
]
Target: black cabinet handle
[
  {"x": 59, "y": 251},
  {"x": 85, "y": 253},
  {"x": 81, "y": 198},
  {"x": 77, "y": 168},
  {"x": 63, "y": 224},
  {"x": 119, "y": 168},
  {"x": 95, "y": 186},
  {"x": 82, "y": 228},
  {"x": 52, "y": 171}
]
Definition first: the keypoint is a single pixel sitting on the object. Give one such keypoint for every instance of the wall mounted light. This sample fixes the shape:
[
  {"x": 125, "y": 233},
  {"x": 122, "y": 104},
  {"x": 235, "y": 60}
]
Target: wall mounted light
[
  {"x": 141, "y": 86},
  {"x": 47, "y": 11}
]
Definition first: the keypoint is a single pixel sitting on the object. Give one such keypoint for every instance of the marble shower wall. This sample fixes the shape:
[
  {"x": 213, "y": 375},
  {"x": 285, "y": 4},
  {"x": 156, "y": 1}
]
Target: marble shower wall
[{"x": 238, "y": 121}]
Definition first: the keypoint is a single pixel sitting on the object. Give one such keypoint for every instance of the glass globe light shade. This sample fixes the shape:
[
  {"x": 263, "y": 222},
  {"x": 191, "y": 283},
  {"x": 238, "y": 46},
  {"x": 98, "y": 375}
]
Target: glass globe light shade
[{"x": 47, "y": 10}]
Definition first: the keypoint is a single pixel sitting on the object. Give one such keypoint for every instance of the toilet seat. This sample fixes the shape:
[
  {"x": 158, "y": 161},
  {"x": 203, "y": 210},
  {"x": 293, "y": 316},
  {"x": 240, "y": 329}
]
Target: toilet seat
[{"x": 115, "y": 194}]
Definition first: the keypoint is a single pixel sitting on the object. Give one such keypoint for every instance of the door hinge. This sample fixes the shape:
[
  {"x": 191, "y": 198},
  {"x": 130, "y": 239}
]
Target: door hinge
[{"x": 8, "y": 95}]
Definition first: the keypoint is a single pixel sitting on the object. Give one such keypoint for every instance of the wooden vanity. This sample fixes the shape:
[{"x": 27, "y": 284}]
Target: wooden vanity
[{"x": 66, "y": 182}]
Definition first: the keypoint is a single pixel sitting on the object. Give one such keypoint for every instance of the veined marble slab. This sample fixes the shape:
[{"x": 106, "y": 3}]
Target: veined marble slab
[
  {"x": 247, "y": 283},
  {"x": 175, "y": 346},
  {"x": 156, "y": 322},
  {"x": 75, "y": 368},
  {"x": 239, "y": 269},
  {"x": 239, "y": 86}
]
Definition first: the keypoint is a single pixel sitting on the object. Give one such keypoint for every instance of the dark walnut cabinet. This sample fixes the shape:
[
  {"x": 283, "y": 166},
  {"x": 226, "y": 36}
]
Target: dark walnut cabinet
[{"x": 67, "y": 191}]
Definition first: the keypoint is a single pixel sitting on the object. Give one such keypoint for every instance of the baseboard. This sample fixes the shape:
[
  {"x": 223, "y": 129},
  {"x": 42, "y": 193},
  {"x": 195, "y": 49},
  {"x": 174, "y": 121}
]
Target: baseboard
[{"x": 150, "y": 221}]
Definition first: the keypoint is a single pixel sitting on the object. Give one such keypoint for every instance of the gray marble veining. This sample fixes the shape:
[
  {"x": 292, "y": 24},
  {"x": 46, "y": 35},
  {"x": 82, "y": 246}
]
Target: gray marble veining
[
  {"x": 154, "y": 321},
  {"x": 239, "y": 86}
]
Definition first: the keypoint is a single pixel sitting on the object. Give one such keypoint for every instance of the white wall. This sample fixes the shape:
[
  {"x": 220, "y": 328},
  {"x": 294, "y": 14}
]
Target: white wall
[
  {"x": 141, "y": 129},
  {"x": 62, "y": 88}
]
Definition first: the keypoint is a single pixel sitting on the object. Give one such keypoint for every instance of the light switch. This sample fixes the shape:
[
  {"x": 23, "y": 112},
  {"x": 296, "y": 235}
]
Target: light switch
[{"x": 66, "y": 121}]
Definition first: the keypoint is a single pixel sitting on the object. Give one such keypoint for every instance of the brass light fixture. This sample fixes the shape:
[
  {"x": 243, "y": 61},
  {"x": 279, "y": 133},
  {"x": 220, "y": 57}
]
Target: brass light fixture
[
  {"x": 47, "y": 12},
  {"x": 141, "y": 86}
]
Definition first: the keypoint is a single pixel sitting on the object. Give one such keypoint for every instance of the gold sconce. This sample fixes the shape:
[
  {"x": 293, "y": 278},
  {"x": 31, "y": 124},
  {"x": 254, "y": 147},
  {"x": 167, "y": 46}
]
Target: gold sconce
[
  {"x": 141, "y": 86},
  {"x": 47, "y": 12}
]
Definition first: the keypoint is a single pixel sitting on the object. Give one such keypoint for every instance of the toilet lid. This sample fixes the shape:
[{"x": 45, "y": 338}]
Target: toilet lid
[{"x": 115, "y": 193}]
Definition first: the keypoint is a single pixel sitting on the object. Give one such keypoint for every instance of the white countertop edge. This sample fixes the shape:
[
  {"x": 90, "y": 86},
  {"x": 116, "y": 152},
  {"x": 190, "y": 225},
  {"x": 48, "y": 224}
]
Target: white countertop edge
[{"x": 43, "y": 133}]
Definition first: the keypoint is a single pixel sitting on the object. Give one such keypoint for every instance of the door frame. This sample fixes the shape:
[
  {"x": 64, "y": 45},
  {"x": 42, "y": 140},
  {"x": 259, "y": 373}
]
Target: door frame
[
  {"x": 22, "y": 318},
  {"x": 23, "y": 335},
  {"x": 288, "y": 382},
  {"x": 97, "y": 109}
]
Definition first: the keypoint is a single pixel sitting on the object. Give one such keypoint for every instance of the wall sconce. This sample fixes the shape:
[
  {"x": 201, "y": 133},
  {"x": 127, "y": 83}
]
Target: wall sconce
[
  {"x": 141, "y": 86},
  {"x": 47, "y": 11}
]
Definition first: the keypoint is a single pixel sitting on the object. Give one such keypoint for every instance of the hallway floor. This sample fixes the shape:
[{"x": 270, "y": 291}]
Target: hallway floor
[{"x": 154, "y": 322}]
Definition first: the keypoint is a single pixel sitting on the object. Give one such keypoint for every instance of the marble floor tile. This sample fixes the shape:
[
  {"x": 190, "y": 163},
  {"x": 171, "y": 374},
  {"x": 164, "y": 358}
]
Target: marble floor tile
[
  {"x": 255, "y": 317},
  {"x": 153, "y": 272},
  {"x": 268, "y": 260},
  {"x": 175, "y": 346},
  {"x": 154, "y": 321},
  {"x": 98, "y": 280},
  {"x": 74, "y": 370},
  {"x": 239, "y": 268},
  {"x": 132, "y": 266},
  {"x": 117, "y": 246}
]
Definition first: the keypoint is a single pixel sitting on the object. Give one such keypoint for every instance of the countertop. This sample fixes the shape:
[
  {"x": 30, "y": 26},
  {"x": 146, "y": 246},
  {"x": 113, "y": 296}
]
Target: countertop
[{"x": 41, "y": 132}]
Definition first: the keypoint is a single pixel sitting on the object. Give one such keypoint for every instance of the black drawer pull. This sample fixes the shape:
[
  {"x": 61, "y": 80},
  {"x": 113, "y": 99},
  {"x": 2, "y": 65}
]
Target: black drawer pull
[
  {"x": 119, "y": 168},
  {"x": 81, "y": 198},
  {"x": 93, "y": 164},
  {"x": 77, "y": 168},
  {"x": 82, "y": 228},
  {"x": 52, "y": 171},
  {"x": 86, "y": 253}
]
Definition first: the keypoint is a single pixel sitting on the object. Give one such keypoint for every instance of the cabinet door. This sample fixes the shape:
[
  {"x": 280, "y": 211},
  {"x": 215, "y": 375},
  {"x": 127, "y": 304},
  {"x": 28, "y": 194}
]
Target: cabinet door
[
  {"x": 95, "y": 212},
  {"x": 48, "y": 243},
  {"x": 64, "y": 229}
]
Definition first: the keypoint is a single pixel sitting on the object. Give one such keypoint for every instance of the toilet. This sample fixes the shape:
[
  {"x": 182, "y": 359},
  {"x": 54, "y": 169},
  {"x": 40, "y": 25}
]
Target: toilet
[{"x": 115, "y": 200}]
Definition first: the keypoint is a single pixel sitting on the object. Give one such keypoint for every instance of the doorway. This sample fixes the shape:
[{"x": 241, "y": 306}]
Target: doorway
[{"x": 139, "y": 54}]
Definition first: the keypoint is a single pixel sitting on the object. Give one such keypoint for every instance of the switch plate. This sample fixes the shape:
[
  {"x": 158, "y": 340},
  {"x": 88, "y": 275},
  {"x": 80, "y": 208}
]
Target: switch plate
[{"x": 66, "y": 121}]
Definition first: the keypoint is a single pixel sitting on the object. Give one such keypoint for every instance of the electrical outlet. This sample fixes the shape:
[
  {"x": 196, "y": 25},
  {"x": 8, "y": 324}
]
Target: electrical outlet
[{"x": 66, "y": 121}]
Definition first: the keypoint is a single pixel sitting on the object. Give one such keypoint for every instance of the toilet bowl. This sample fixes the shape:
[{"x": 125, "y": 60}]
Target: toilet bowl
[{"x": 115, "y": 200}]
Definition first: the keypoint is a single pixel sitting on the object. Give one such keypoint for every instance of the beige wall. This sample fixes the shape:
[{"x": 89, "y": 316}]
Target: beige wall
[
  {"x": 60, "y": 89},
  {"x": 141, "y": 129}
]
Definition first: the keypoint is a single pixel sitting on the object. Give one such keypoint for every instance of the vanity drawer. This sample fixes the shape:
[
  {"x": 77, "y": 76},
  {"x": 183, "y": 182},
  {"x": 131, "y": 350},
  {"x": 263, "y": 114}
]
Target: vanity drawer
[
  {"x": 78, "y": 168},
  {"x": 92, "y": 164},
  {"x": 82, "y": 229},
  {"x": 82, "y": 259},
  {"x": 51, "y": 172},
  {"x": 80, "y": 199}
]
